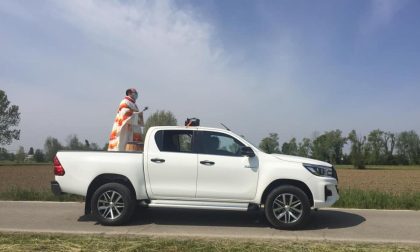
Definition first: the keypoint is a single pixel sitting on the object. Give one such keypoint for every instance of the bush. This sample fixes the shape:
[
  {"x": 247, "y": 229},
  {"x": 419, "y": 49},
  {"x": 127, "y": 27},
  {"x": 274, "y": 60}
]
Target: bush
[{"x": 39, "y": 156}]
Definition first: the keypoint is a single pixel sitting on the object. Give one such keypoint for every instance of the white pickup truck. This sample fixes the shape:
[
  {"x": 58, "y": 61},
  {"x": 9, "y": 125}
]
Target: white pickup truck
[{"x": 199, "y": 168}]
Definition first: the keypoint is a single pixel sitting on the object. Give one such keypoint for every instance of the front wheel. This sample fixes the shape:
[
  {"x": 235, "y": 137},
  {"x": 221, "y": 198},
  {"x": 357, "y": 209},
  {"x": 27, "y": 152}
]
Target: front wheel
[
  {"x": 287, "y": 207},
  {"x": 113, "y": 204}
]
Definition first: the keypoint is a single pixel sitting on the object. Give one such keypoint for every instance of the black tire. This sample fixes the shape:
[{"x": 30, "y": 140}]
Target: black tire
[
  {"x": 287, "y": 216},
  {"x": 113, "y": 204}
]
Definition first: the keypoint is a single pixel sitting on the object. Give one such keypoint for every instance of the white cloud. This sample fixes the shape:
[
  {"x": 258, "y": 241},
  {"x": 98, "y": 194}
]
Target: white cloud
[
  {"x": 94, "y": 50},
  {"x": 174, "y": 59},
  {"x": 180, "y": 62},
  {"x": 142, "y": 29}
]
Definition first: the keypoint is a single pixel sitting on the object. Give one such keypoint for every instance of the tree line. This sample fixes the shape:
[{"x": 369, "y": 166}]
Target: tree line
[
  {"x": 377, "y": 148},
  {"x": 51, "y": 146}
]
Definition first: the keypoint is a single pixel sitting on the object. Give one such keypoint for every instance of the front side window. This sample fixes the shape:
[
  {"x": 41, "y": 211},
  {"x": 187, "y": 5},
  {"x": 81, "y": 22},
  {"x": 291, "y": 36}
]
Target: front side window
[
  {"x": 215, "y": 143},
  {"x": 174, "y": 140}
]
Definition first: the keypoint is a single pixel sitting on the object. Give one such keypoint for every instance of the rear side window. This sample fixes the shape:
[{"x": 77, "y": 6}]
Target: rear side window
[{"x": 174, "y": 140}]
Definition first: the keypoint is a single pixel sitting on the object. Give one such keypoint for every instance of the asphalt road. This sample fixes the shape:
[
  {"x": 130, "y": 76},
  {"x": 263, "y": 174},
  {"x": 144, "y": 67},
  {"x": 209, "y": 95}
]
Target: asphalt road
[{"x": 328, "y": 224}]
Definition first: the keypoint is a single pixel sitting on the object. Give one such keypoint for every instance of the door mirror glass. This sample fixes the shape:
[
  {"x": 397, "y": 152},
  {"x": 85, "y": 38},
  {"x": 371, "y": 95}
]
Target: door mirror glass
[{"x": 247, "y": 151}]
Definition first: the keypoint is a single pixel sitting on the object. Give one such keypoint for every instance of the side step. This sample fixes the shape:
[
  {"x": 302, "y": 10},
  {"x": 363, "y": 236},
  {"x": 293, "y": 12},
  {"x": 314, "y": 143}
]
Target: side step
[{"x": 199, "y": 205}]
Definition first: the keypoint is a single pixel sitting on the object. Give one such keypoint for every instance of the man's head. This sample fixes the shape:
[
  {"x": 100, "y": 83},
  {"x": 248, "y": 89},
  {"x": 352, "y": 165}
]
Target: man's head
[{"x": 132, "y": 93}]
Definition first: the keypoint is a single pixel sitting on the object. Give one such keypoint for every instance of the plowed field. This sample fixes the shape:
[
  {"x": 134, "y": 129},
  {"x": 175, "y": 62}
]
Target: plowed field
[
  {"x": 393, "y": 181},
  {"x": 38, "y": 177}
]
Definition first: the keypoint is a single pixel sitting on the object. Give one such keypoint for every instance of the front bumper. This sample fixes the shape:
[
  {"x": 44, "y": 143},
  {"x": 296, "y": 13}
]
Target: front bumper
[
  {"x": 55, "y": 188},
  {"x": 330, "y": 196}
]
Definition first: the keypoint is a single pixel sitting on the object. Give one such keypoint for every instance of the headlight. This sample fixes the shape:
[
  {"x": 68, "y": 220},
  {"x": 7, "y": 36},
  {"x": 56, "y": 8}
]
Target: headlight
[{"x": 319, "y": 170}]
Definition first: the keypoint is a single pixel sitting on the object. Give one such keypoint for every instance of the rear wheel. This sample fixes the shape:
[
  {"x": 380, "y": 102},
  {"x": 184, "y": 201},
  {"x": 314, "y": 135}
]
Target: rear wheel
[
  {"x": 287, "y": 207},
  {"x": 113, "y": 204}
]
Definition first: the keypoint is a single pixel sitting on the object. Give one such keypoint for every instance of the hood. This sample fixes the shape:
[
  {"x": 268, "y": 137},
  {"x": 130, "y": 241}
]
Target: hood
[{"x": 300, "y": 160}]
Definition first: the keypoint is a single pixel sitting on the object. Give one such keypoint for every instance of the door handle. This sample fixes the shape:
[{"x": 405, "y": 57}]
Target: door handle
[
  {"x": 206, "y": 162},
  {"x": 157, "y": 160}
]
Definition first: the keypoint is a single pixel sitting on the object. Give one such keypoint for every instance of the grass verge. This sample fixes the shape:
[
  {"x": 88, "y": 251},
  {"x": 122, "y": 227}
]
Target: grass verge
[
  {"x": 14, "y": 163},
  {"x": 37, "y": 242},
  {"x": 18, "y": 194},
  {"x": 349, "y": 198},
  {"x": 354, "y": 198}
]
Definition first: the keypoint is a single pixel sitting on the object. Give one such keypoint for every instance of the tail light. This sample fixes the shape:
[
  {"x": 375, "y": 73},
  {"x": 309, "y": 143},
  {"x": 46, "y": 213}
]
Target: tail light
[{"x": 58, "y": 168}]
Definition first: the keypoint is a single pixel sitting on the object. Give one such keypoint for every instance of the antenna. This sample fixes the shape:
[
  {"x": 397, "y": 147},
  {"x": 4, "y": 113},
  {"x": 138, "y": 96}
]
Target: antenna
[{"x": 225, "y": 126}]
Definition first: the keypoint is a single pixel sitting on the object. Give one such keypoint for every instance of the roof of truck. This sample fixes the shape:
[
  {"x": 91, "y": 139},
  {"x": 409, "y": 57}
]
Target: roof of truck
[
  {"x": 199, "y": 128},
  {"x": 190, "y": 127}
]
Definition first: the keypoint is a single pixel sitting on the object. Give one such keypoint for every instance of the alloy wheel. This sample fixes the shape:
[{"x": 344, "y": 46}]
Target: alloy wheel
[
  {"x": 110, "y": 205},
  {"x": 287, "y": 208}
]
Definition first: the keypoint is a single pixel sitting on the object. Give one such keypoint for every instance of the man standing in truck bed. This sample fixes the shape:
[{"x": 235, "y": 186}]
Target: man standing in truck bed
[{"x": 126, "y": 126}]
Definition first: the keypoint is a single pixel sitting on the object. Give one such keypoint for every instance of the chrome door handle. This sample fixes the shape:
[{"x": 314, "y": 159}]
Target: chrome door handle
[
  {"x": 157, "y": 160},
  {"x": 206, "y": 162}
]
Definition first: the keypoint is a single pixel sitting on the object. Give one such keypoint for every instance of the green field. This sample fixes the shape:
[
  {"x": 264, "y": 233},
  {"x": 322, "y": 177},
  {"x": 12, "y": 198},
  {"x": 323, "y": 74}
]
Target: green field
[{"x": 36, "y": 242}]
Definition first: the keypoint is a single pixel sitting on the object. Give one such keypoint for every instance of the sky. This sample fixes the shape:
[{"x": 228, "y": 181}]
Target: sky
[{"x": 296, "y": 68}]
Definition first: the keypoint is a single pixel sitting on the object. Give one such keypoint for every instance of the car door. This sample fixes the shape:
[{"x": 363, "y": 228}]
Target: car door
[
  {"x": 223, "y": 173},
  {"x": 172, "y": 164}
]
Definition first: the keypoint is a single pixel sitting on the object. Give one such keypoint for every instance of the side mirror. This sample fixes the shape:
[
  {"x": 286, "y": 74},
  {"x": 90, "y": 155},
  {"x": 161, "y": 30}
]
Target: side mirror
[{"x": 247, "y": 151}]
